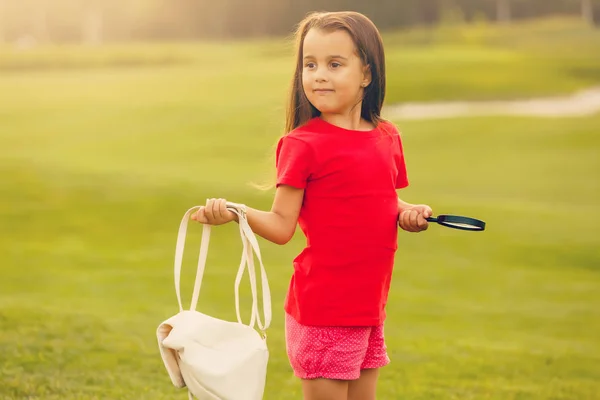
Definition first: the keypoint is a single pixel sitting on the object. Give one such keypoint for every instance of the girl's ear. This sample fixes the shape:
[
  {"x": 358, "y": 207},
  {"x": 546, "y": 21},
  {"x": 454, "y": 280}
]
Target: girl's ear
[{"x": 366, "y": 76}]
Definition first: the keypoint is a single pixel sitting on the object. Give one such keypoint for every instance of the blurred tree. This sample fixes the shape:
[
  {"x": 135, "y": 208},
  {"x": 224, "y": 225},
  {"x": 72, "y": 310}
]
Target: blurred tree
[
  {"x": 587, "y": 11},
  {"x": 2, "y": 17},
  {"x": 503, "y": 14},
  {"x": 97, "y": 21},
  {"x": 92, "y": 21},
  {"x": 39, "y": 15},
  {"x": 138, "y": 15},
  {"x": 428, "y": 11},
  {"x": 451, "y": 12}
]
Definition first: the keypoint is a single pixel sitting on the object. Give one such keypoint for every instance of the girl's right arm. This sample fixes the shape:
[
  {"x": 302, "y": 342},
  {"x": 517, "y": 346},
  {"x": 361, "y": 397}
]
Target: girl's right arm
[{"x": 277, "y": 226}]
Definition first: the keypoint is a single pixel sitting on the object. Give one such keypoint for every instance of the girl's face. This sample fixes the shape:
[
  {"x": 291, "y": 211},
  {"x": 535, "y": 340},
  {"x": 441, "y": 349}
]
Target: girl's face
[{"x": 333, "y": 76}]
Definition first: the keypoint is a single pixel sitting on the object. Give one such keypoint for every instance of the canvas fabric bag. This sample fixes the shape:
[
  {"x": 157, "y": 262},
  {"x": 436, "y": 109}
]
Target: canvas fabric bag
[{"x": 217, "y": 359}]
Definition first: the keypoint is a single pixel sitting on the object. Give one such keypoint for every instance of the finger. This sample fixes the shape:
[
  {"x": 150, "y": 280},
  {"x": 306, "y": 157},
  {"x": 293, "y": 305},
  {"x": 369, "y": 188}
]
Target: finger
[
  {"x": 428, "y": 212},
  {"x": 215, "y": 211},
  {"x": 425, "y": 210},
  {"x": 200, "y": 216},
  {"x": 413, "y": 220},
  {"x": 221, "y": 209},
  {"x": 402, "y": 220},
  {"x": 416, "y": 221},
  {"x": 208, "y": 210},
  {"x": 422, "y": 223},
  {"x": 405, "y": 221}
]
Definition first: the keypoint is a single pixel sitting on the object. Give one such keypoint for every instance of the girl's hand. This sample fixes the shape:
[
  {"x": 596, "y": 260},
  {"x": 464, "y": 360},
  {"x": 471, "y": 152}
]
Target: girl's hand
[
  {"x": 412, "y": 219},
  {"x": 215, "y": 212}
]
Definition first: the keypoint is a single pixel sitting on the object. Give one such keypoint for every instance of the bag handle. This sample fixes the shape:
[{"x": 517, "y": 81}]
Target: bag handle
[{"x": 250, "y": 247}]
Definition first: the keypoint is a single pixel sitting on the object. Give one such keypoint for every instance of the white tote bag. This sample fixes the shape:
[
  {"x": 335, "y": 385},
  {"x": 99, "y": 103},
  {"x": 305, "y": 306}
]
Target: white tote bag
[{"x": 214, "y": 358}]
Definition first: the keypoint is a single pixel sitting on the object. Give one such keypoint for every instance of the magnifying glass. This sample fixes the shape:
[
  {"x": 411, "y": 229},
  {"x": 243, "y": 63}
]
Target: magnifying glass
[{"x": 458, "y": 222}]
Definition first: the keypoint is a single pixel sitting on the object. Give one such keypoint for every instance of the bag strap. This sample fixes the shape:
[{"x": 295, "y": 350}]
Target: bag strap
[
  {"x": 249, "y": 249},
  {"x": 179, "y": 247}
]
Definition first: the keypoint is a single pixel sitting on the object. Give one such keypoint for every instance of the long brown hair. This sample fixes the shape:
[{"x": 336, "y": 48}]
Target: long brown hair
[{"x": 369, "y": 46}]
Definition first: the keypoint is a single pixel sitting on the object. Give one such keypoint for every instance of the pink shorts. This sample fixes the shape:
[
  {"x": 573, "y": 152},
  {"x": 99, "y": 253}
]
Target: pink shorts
[{"x": 333, "y": 352}]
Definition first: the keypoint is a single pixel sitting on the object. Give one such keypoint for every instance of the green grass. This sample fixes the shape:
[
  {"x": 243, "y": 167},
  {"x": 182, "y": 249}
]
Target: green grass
[{"x": 98, "y": 165}]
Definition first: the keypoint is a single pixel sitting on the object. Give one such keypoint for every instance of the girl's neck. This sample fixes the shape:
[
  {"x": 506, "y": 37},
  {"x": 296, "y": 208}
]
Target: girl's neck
[{"x": 351, "y": 121}]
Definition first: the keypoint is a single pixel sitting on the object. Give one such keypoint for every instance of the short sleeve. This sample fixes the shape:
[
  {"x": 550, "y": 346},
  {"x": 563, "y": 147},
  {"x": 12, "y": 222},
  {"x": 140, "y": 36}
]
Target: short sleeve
[
  {"x": 294, "y": 162},
  {"x": 401, "y": 177}
]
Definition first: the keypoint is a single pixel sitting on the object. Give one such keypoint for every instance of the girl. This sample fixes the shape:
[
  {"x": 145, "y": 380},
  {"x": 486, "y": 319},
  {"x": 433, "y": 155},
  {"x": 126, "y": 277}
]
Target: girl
[{"x": 338, "y": 168}]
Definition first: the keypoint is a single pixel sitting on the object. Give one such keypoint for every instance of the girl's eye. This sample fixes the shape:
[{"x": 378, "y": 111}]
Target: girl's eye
[
  {"x": 335, "y": 65},
  {"x": 310, "y": 65}
]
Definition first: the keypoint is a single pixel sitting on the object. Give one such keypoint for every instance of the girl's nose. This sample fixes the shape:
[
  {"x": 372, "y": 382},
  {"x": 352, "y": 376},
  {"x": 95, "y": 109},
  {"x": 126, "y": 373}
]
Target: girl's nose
[
  {"x": 321, "y": 78},
  {"x": 320, "y": 75}
]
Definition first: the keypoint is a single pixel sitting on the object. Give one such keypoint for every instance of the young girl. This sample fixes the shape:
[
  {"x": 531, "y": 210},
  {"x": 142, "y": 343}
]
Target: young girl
[{"x": 338, "y": 168}]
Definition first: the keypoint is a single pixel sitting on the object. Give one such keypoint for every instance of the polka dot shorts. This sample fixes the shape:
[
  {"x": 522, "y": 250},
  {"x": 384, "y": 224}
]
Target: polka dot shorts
[{"x": 333, "y": 352}]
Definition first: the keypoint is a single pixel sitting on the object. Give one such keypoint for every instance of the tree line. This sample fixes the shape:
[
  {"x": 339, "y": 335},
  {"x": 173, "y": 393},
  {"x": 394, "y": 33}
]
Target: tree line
[{"x": 113, "y": 20}]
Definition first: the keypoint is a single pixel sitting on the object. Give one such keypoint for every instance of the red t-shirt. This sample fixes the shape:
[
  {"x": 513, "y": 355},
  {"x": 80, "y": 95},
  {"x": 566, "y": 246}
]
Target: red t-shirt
[{"x": 349, "y": 217}]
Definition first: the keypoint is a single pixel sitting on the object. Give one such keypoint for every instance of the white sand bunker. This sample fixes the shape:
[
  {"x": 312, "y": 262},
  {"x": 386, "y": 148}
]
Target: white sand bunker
[{"x": 580, "y": 104}]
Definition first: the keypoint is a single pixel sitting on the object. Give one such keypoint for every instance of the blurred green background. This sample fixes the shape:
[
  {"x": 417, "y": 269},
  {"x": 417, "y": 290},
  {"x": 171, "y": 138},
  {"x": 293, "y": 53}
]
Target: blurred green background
[{"x": 104, "y": 146}]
